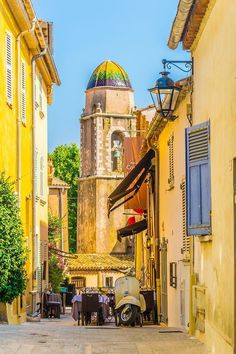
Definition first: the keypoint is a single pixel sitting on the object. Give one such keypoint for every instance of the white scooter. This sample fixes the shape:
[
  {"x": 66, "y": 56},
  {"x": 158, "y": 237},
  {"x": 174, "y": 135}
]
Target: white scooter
[{"x": 129, "y": 303}]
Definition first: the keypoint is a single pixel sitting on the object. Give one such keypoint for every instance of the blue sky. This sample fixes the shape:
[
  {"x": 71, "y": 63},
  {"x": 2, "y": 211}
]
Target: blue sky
[{"x": 133, "y": 33}]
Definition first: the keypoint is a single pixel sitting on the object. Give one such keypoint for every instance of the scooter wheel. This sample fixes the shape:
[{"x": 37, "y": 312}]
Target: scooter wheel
[
  {"x": 117, "y": 320},
  {"x": 128, "y": 314}
]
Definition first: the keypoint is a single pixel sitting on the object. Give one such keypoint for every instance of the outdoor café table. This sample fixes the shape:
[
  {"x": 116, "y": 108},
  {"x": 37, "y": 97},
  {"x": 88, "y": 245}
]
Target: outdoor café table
[{"x": 77, "y": 308}]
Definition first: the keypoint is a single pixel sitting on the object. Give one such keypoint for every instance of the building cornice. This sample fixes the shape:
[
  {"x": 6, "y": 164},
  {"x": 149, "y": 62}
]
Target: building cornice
[
  {"x": 97, "y": 88},
  {"x": 100, "y": 177},
  {"x": 107, "y": 115},
  {"x": 188, "y": 23},
  {"x": 23, "y": 13}
]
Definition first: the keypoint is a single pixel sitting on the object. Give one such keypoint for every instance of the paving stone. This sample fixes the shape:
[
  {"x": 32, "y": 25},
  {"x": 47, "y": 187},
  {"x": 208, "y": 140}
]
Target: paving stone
[{"x": 65, "y": 337}]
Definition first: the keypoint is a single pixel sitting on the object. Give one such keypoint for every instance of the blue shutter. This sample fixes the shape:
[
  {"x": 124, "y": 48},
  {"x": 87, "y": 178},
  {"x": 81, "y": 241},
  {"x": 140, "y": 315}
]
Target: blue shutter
[{"x": 198, "y": 179}]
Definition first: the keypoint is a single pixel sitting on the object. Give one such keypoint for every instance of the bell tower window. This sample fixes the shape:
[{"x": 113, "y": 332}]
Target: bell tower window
[{"x": 117, "y": 152}]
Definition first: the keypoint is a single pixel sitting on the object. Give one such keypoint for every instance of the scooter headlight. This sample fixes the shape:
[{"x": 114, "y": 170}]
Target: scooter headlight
[{"x": 126, "y": 293}]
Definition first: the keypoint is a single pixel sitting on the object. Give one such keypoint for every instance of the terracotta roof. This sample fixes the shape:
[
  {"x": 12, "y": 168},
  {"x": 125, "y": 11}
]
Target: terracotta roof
[
  {"x": 58, "y": 182},
  {"x": 187, "y": 22},
  {"x": 94, "y": 261}
]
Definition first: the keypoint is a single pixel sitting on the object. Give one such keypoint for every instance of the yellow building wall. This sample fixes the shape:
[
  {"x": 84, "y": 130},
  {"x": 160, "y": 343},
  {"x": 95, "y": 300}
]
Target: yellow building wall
[
  {"x": 8, "y": 139},
  {"x": 170, "y": 211},
  {"x": 214, "y": 99},
  {"x": 96, "y": 279}
]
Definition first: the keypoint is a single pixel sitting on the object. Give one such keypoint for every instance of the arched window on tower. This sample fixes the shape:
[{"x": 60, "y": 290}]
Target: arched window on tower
[{"x": 117, "y": 152}]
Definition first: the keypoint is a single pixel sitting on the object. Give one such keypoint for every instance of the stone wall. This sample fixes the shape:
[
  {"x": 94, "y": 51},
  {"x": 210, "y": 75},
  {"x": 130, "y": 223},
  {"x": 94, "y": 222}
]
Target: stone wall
[{"x": 97, "y": 233}]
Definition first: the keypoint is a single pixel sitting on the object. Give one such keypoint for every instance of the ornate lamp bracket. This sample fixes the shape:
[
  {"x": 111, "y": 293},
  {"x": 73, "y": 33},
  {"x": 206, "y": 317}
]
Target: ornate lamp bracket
[{"x": 184, "y": 65}]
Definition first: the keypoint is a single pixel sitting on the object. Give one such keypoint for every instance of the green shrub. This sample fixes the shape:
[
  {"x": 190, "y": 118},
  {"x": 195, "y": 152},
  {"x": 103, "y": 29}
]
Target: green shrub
[{"x": 12, "y": 248}]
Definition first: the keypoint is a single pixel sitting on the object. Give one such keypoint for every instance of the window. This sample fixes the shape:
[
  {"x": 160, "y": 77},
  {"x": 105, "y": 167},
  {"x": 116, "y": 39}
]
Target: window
[
  {"x": 80, "y": 282},
  {"x": 117, "y": 152},
  {"x": 171, "y": 161},
  {"x": 23, "y": 92},
  {"x": 198, "y": 179},
  {"x": 109, "y": 282},
  {"x": 173, "y": 274},
  {"x": 185, "y": 237},
  {"x": 9, "y": 69},
  {"x": 41, "y": 176}
]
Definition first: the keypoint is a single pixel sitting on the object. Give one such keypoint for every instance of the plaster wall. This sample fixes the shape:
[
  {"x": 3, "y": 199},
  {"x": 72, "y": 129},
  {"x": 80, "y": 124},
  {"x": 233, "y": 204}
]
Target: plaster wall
[
  {"x": 8, "y": 142},
  {"x": 171, "y": 219},
  {"x": 41, "y": 179},
  {"x": 214, "y": 100},
  {"x": 93, "y": 277}
]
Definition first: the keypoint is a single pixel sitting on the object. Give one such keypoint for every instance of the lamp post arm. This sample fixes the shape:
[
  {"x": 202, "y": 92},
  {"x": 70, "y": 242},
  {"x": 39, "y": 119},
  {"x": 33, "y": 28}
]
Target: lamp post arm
[{"x": 188, "y": 64}]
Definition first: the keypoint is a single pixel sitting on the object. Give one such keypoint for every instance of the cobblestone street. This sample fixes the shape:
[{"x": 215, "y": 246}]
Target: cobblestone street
[{"x": 64, "y": 336}]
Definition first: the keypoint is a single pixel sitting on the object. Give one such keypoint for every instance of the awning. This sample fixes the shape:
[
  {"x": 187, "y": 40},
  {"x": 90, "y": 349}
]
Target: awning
[
  {"x": 132, "y": 229},
  {"x": 139, "y": 172}
]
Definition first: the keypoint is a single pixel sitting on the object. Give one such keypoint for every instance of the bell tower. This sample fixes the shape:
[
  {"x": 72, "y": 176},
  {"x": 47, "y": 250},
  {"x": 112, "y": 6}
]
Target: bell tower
[{"x": 106, "y": 120}]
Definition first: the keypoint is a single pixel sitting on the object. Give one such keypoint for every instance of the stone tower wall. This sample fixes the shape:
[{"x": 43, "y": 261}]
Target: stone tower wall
[
  {"x": 97, "y": 233},
  {"x": 108, "y": 110}
]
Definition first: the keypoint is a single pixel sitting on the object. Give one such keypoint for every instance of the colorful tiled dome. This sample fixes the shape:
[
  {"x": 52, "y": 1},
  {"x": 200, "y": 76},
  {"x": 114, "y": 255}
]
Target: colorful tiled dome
[{"x": 109, "y": 74}]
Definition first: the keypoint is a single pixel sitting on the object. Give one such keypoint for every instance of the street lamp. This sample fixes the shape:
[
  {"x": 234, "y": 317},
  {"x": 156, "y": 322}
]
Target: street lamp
[{"x": 165, "y": 93}]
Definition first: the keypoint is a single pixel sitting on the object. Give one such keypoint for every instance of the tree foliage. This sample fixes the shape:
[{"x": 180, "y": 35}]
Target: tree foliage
[
  {"x": 12, "y": 248},
  {"x": 66, "y": 160},
  {"x": 56, "y": 263},
  {"x": 55, "y": 226}
]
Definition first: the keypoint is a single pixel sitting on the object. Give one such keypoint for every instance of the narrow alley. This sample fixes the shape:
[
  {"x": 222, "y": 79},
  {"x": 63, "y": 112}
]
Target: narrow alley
[{"x": 64, "y": 336}]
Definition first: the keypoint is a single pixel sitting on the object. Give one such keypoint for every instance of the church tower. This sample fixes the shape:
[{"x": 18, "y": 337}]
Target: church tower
[{"x": 106, "y": 120}]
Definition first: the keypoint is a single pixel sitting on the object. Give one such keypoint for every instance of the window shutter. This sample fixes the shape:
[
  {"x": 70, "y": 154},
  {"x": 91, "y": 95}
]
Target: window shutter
[
  {"x": 23, "y": 92},
  {"x": 9, "y": 71},
  {"x": 198, "y": 179},
  {"x": 185, "y": 237},
  {"x": 171, "y": 161}
]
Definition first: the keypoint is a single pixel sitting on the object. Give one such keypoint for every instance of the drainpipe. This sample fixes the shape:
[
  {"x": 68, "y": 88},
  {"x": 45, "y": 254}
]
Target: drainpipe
[
  {"x": 35, "y": 260},
  {"x": 18, "y": 39}
]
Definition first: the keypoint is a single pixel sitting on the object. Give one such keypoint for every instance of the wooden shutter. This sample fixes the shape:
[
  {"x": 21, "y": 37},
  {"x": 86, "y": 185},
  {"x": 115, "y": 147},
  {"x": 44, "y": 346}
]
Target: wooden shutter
[
  {"x": 23, "y": 92},
  {"x": 171, "y": 161},
  {"x": 185, "y": 237},
  {"x": 198, "y": 179},
  {"x": 9, "y": 70}
]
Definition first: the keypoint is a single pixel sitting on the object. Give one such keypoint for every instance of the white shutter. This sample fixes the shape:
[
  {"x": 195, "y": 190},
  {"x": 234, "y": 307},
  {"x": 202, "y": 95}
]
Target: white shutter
[
  {"x": 23, "y": 92},
  {"x": 9, "y": 71}
]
